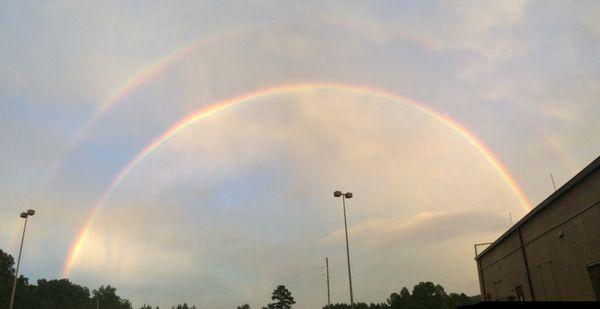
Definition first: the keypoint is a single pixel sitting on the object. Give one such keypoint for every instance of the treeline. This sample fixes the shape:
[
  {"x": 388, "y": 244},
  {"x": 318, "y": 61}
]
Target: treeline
[
  {"x": 58, "y": 294},
  {"x": 63, "y": 294},
  {"x": 425, "y": 295}
]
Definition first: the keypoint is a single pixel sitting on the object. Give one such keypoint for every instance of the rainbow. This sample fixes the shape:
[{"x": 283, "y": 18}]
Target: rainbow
[
  {"x": 137, "y": 80},
  {"x": 163, "y": 64},
  {"x": 151, "y": 72},
  {"x": 221, "y": 106},
  {"x": 554, "y": 145}
]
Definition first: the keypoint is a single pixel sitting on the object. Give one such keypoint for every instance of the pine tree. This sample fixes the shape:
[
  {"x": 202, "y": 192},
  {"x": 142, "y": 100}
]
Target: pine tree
[{"x": 282, "y": 299}]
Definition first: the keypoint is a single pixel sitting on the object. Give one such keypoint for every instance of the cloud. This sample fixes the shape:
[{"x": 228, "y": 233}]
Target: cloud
[
  {"x": 241, "y": 201},
  {"x": 243, "y": 198},
  {"x": 421, "y": 229}
]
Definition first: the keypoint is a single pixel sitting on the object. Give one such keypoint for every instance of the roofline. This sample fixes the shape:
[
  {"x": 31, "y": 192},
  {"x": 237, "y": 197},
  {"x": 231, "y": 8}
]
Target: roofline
[{"x": 594, "y": 165}]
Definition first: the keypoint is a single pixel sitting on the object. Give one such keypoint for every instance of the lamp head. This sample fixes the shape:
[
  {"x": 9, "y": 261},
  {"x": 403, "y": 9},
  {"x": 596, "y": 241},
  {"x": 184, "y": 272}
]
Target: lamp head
[
  {"x": 348, "y": 195},
  {"x": 30, "y": 212},
  {"x": 337, "y": 193},
  {"x": 23, "y": 215}
]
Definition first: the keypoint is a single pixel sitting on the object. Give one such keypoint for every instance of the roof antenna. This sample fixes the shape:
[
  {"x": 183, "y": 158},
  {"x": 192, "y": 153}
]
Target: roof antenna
[
  {"x": 553, "y": 184},
  {"x": 510, "y": 217}
]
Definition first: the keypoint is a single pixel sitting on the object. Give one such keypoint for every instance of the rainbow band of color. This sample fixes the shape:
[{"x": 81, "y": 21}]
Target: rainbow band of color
[
  {"x": 137, "y": 80},
  {"x": 217, "y": 107}
]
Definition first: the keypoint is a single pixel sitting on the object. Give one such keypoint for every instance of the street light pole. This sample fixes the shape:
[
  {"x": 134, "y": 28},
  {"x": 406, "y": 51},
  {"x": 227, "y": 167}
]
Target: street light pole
[
  {"x": 24, "y": 215},
  {"x": 344, "y": 197},
  {"x": 328, "y": 295}
]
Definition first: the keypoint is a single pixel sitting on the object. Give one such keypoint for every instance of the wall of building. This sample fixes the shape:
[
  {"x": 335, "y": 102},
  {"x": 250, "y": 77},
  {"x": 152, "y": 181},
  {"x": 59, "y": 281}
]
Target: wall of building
[
  {"x": 504, "y": 269},
  {"x": 560, "y": 241}
]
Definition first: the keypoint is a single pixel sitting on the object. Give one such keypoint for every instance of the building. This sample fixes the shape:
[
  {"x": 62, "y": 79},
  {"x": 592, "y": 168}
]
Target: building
[{"x": 553, "y": 253}]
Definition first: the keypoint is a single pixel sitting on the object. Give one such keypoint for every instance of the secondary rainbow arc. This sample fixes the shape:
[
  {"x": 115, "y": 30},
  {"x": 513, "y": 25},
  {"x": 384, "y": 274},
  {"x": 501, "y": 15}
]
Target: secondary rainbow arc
[
  {"x": 163, "y": 64},
  {"x": 136, "y": 81},
  {"x": 220, "y": 106}
]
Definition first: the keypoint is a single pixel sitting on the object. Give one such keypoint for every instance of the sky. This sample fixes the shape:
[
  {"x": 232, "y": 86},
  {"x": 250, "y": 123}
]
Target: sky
[{"x": 188, "y": 151}]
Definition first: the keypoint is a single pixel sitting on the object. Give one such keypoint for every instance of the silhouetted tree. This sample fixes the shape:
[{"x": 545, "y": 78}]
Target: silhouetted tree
[
  {"x": 54, "y": 294},
  {"x": 184, "y": 306},
  {"x": 399, "y": 301},
  {"x": 282, "y": 297},
  {"x": 62, "y": 294},
  {"x": 108, "y": 298},
  {"x": 403, "y": 300},
  {"x": 456, "y": 300},
  {"x": 357, "y": 306},
  {"x": 7, "y": 274},
  {"x": 24, "y": 295},
  {"x": 425, "y": 295}
]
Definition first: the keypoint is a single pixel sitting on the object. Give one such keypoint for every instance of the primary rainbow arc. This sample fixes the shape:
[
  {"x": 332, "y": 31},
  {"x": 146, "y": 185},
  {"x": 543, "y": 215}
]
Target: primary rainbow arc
[{"x": 220, "y": 106}]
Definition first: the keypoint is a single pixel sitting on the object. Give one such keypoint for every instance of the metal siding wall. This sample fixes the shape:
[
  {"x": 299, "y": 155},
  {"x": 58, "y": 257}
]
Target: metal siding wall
[{"x": 558, "y": 259}]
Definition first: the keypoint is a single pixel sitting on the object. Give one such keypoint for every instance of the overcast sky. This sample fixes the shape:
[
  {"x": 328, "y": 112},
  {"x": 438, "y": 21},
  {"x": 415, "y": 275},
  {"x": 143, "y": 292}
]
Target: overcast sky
[{"x": 241, "y": 201}]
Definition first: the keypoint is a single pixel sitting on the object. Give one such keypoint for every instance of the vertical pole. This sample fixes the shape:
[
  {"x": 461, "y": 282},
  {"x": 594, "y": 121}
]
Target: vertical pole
[
  {"x": 481, "y": 279},
  {"x": 348, "y": 253},
  {"x": 12, "y": 296},
  {"x": 480, "y": 273},
  {"x": 526, "y": 264},
  {"x": 328, "y": 294},
  {"x": 553, "y": 184}
]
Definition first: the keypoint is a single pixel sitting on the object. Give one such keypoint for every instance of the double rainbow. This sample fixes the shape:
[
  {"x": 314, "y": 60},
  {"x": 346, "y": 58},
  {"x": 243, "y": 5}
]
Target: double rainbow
[{"x": 254, "y": 96}]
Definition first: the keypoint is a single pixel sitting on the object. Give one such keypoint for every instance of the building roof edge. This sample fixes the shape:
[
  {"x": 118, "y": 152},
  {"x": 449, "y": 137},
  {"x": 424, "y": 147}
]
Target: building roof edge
[{"x": 594, "y": 165}]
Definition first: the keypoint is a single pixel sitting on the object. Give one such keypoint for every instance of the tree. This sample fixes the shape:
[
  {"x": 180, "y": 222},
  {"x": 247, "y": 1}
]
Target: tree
[
  {"x": 54, "y": 294},
  {"x": 457, "y": 300},
  {"x": 399, "y": 301},
  {"x": 108, "y": 298},
  {"x": 25, "y": 293},
  {"x": 425, "y": 295},
  {"x": 62, "y": 294},
  {"x": 184, "y": 306},
  {"x": 7, "y": 273},
  {"x": 244, "y": 306},
  {"x": 358, "y": 306},
  {"x": 428, "y": 295},
  {"x": 282, "y": 297}
]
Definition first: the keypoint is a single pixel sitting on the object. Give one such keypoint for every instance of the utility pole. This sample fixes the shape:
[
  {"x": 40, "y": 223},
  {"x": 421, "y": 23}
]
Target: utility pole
[{"x": 328, "y": 295}]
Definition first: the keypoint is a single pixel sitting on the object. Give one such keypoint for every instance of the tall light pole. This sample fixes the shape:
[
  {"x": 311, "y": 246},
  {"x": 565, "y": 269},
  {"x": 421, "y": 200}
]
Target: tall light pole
[
  {"x": 344, "y": 196},
  {"x": 328, "y": 295},
  {"x": 24, "y": 215}
]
